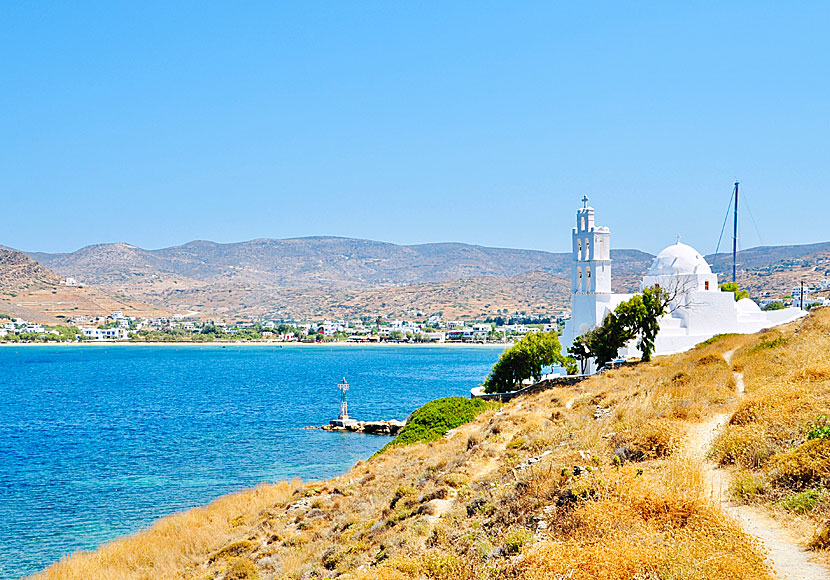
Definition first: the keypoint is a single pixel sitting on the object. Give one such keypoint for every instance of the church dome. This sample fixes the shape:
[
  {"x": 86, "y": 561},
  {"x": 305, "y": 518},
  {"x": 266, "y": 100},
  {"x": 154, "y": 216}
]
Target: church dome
[
  {"x": 678, "y": 260},
  {"x": 747, "y": 306}
]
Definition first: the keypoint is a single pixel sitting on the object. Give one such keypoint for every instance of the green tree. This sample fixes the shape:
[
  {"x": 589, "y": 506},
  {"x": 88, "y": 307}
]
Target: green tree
[
  {"x": 525, "y": 360},
  {"x": 637, "y": 317},
  {"x": 777, "y": 305},
  {"x": 735, "y": 289}
]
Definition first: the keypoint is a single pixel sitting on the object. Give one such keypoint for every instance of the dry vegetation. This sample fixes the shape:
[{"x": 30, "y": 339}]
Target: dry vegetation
[
  {"x": 778, "y": 439},
  {"x": 30, "y": 291},
  {"x": 591, "y": 481}
]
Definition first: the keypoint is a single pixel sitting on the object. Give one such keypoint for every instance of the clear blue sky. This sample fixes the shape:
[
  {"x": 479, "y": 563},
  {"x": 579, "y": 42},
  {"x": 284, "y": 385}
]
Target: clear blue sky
[{"x": 482, "y": 122}]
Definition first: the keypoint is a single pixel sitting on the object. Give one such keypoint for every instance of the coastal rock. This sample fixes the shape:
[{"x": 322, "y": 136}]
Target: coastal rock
[{"x": 387, "y": 427}]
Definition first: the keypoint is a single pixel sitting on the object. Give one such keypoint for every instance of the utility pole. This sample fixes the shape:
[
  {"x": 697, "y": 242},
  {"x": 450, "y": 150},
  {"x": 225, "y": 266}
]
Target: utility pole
[
  {"x": 801, "y": 300},
  {"x": 735, "y": 235}
]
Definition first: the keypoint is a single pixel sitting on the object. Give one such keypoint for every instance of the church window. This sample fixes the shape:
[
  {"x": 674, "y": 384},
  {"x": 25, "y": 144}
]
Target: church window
[
  {"x": 579, "y": 249},
  {"x": 588, "y": 286},
  {"x": 706, "y": 285},
  {"x": 582, "y": 221},
  {"x": 579, "y": 279},
  {"x": 587, "y": 249}
]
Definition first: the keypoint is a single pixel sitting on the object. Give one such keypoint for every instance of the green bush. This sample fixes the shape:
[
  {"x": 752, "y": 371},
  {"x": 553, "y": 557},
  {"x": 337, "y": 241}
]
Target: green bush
[
  {"x": 821, "y": 430},
  {"x": 765, "y": 344},
  {"x": 434, "y": 419},
  {"x": 801, "y": 502},
  {"x": 733, "y": 287},
  {"x": 716, "y": 338}
]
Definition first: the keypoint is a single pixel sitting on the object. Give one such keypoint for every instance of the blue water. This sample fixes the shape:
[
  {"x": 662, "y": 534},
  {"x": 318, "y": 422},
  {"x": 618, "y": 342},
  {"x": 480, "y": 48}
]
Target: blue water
[{"x": 97, "y": 442}]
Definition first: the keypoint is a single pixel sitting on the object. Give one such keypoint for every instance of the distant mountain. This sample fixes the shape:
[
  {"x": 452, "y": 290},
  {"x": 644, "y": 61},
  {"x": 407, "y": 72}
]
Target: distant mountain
[
  {"x": 314, "y": 261},
  {"x": 765, "y": 256},
  {"x": 320, "y": 277},
  {"x": 775, "y": 270},
  {"x": 294, "y": 277}
]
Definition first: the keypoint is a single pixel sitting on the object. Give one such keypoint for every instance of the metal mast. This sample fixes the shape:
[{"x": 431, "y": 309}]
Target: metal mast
[{"x": 735, "y": 234}]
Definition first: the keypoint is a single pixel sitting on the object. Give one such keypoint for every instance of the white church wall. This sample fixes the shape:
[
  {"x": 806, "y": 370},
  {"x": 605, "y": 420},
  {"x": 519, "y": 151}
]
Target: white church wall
[{"x": 699, "y": 310}]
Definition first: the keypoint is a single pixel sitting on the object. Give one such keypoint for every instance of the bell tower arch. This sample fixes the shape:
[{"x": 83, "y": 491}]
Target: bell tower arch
[{"x": 591, "y": 273}]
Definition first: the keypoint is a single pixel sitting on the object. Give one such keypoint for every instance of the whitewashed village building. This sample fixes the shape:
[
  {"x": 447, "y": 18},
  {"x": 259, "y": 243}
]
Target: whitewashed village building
[{"x": 698, "y": 310}]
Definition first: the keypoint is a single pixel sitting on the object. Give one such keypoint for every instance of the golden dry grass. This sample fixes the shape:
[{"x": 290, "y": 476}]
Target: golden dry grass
[
  {"x": 787, "y": 376},
  {"x": 174, "y": 543},
  {"x": 592, "y": 481}
]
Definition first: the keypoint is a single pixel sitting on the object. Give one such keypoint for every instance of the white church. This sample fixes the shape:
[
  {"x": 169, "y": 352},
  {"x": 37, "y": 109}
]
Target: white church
[{"x": 698, "y": 310}]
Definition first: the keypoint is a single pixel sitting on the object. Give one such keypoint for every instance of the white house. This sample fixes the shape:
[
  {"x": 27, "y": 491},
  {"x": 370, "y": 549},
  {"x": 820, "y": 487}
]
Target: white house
[
  {"x": 105, "y": 333},
  {"x": 698, "y": 309}
]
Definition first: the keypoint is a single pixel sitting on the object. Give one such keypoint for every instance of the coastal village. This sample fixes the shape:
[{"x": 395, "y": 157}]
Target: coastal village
[{"x": 117, "y": 327}]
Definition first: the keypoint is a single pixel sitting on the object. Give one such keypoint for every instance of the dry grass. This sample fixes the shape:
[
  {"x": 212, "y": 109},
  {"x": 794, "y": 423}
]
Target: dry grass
[
  {"x": 787, "y": 376},
  {"x": 592, "y": 481},
  {"x": 174, "y": 543}
]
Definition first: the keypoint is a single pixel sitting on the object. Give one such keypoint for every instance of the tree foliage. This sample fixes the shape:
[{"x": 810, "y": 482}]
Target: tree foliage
[
  {"x": 525, "y": 360},
  {"x": 636, "y": 318},
  {"x": 735, "y": 289}
]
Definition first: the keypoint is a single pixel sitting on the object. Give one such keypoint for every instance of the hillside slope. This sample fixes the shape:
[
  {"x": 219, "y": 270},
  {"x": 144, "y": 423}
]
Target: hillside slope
[
  {"x": 33, "y": 292},
  {"x": 314, "y": 261},
  {"x": 332, "y": 277},
  {"x": 326, "y": 277},
  {"x": 776, "y": 270},
  {"x": 603, "y": 479}
]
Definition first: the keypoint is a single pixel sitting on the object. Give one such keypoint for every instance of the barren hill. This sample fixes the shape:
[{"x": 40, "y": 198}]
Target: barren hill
[
  {"x": 327, "y": 276},
  {"x": 320, "y": 277},
  {"x": 34, "y": 292},
  {"x": 775, "y": 270},
  {"x": 302, "y": 262}
]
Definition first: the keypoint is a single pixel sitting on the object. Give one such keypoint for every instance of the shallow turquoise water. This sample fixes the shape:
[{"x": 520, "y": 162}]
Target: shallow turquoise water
[{"x": 97, "y": 442}]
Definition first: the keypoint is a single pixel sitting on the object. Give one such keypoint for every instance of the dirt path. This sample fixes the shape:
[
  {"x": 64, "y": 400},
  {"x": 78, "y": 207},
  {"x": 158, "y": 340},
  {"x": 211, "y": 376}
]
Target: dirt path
[{"x": 789, "y": 560}]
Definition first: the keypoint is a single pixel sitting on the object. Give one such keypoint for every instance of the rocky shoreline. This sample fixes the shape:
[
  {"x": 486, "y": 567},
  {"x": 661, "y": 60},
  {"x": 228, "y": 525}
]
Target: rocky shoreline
[{"x": 388, "y": 427}]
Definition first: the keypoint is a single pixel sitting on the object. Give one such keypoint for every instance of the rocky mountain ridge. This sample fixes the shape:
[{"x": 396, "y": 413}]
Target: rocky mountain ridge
[{"x": 330, "y": 277}]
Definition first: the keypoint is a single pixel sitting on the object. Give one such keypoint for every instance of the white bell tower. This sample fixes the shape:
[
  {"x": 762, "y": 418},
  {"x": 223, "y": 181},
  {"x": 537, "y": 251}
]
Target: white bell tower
[
  {"x": 591, "y": 272},
  {"x": 591, "y": 297}
]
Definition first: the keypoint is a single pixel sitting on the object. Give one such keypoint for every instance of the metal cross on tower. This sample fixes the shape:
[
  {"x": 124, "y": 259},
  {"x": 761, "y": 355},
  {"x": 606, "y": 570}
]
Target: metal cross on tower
[
  {"x": 584, "y": 201},
  {"x": 344, "y": 406}
]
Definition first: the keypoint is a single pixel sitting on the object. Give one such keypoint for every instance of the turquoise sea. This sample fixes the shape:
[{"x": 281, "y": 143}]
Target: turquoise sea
[{"x": 98, "y": 441}]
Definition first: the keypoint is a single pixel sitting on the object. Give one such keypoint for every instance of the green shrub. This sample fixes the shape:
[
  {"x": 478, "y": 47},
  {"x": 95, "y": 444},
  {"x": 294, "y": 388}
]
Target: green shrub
[
  {"x": 801, "y": 502},
  {"x": 434, "y": 419},
  {"x": 514, "y": 540},
  {"x": 821, "y": 430},
  {"x": 714, "y": 339},
  {"x": 767, "y": 344}
]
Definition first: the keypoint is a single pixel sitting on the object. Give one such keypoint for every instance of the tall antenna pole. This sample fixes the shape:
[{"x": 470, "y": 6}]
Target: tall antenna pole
[{"x": 735, "y": 235}]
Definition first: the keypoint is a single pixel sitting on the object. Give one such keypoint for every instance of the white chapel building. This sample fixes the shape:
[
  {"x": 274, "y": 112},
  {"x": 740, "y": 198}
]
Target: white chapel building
[{"x": 698, "y": 310}]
